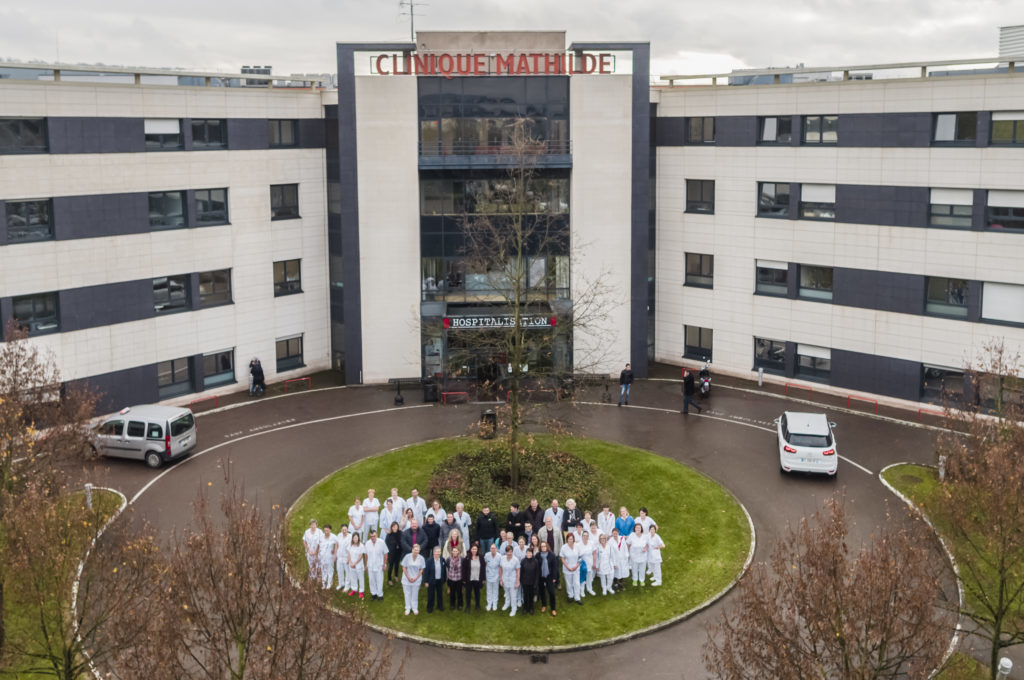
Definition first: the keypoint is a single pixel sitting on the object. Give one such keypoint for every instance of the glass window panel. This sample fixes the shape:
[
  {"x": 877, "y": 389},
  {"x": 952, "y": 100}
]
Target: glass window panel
[
  {"x": 816, "y": 282},
  {"x": 773, "y": 199},
  {"x": 1002, "y": 131},
  {"x": 28, "y": 221},
  {"x": 167, "y": 209},
  {"x": 947, "y": 297}
]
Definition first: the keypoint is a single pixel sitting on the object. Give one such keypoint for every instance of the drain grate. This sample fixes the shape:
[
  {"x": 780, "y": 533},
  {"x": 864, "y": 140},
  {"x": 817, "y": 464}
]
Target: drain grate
[{"x": 538, "y": 658}]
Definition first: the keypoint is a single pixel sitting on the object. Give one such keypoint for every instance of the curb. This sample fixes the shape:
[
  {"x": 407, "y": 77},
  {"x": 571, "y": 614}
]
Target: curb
[{"x": 958, "y": 630}]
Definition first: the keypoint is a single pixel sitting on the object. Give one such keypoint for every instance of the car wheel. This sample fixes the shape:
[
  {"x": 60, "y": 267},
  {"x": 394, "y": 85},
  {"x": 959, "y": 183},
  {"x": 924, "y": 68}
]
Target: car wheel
[
  {"x": 89, "y": 452},
  {"x": 153, "y": 460},
  {"x": 782, "y": 470}
]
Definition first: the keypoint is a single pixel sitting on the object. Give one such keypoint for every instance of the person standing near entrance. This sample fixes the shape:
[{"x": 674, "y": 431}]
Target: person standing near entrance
[
  {"x": 625, "y": 382},
  {"x": 689, "y": 389}
]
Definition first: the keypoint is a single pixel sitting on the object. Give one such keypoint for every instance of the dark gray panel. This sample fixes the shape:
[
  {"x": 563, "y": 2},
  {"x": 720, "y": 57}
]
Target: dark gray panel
[
  {"x": 876, "y": 374},
  {"x": 979, "y": 209},
  {"x": 100, "y": 215},
  {"x": 736, "y": 130},
  {"x": 3, "y": 224},
  {"x": 885, "y": 205},
  {"x": 974, "y": 289},
  {"x": 246, "y": 134},
  {"x": 105, "y": 304},
  {"x": 186, "y": 134},
  {"x": 6, "y": 314},
  {"x": 118, "y": 389},
  {"x": 640, "y": 207},
  {"x": 95, "y": 135},
  {"x": 984, "y": 128},
  {"x": 790, "y": 355},
  {"x": 793, "y": 281},
  {"x": 311, "y": 133},
  {"x": 885, "y": 291},
  {"x": 885, "y": 129},
  {"x": 670, "y": 131}
]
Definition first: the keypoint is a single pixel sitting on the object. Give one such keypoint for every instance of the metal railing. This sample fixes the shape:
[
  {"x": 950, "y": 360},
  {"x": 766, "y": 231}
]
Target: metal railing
[
  {"x": 118, "y": 75},
  {"x": 540, "y": 148}
]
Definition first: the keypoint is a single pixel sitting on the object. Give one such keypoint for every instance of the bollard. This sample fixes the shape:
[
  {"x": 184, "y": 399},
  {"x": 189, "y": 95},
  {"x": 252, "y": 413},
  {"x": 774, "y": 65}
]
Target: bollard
[
  {"x": 88, "y": 495},
  {"x": 1005, "y": 666},
  {"x": 942, "y": 468},
  {"x": 760, "y": 377}
]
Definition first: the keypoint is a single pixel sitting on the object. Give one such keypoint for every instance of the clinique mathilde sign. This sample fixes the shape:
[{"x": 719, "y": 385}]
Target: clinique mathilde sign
[{"x": 451, "y": 65}]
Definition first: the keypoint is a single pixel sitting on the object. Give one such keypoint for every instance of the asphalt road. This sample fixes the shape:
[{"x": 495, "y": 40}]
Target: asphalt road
[{"x": 280, "y": 446}]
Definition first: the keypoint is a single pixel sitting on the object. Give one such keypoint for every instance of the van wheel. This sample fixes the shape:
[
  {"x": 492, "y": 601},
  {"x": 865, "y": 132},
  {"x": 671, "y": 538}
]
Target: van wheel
[
  {"x": 153, "y": 460},
  {"x": 88, "y": 452}
]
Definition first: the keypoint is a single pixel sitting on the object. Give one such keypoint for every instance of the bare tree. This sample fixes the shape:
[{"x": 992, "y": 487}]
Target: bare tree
[
  {"x": 982, "y": 504},
  {"x": 821, "y": 608}
]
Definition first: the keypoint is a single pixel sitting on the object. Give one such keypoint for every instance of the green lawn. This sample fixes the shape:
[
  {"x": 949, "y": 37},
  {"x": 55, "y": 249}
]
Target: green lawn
[
  {"x": 963, "y": 667},
  {"x": 706, "y": 534}
]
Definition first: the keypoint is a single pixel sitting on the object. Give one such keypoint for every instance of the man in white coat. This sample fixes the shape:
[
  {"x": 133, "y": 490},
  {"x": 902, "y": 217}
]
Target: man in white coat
[
  {"x": 387, "y": 516},
  {"x": 462, "y": 520},
  {"x": 356, "y": 519},
  {"x": 327, "y": 552},
  {"x": 341, "y": 558},
  {"x": 311, "y": 541},
  {"x": 376, "y": 564},
  {"x": 605, "y": 521},
  {"x": 397, "y": 502},
  {"x": 417, "y": 505},
  {"x": 371, "y": 513}
]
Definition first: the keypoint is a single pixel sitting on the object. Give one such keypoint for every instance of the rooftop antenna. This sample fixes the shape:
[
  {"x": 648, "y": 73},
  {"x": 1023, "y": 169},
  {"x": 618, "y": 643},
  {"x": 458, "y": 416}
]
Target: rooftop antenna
[{"x": 412, "y": 5}]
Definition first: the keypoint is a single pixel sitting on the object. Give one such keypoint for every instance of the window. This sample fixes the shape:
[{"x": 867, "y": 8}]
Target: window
[
  {"x": 162, "y": 134},
  {"x": 813, "y": 363},
  {"x": 816, "y": 282},
  {"x": 1008, "y": 127},
  {"x": 173, "y": 378},
  {"x": 289, "y": 353},
  {"x": 818, "y": 202},
  {"x": 940, "y": 383},
  {"x": 698, "y": 342},
  {"x": 214, "y": 288},
  {"x": 28, "y": 221},
  {"x": 772, "y": 199},
  {"x": 209, "y": 134},
  {"x": 284, "y": 201},
  {"x": 211, "y": 207},
  {"x": 700, "y": 130},
  {"x": 167, "y": 209},
  {"x": 951, "y": 208},
  {"x": 956, "y": 128},
  {"x": 700, "y": 195},
  {"x": 38, "y": 313},
  {"x": 772, "y": 278},
  {"x": 136, "y": 428},
  {"x": 946, "y": 297},
  {"x": 23, "y": 135},
  {"x": 770, "y": 355},
  {"x": 1005, "y": 210},
  {"x": 287, "y": 277},
  {"x": 776, "y": 130},
  {"x": 700, "y": 270},
  {"x": 154, "y": 431},
  {"x": 1002, "y": 302},
  {"x": 821, "y": 129},
  {"x": 282, "y": 132},
  {"x": 111, "y": 428},
  {"x": 170, "y": 293},
  {"x": 218, "y": 368}
]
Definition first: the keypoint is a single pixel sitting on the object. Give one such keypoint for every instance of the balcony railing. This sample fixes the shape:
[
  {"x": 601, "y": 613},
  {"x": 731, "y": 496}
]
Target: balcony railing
[{"x": 541, "y": 148}]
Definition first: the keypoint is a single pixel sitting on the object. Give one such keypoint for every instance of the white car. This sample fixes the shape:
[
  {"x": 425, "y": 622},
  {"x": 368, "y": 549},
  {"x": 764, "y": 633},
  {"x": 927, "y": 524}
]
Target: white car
[{"x": 806, "y": 443}]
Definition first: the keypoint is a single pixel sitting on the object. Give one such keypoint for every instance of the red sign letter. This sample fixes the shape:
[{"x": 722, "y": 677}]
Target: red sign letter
[{"x": 380, "y": 67}]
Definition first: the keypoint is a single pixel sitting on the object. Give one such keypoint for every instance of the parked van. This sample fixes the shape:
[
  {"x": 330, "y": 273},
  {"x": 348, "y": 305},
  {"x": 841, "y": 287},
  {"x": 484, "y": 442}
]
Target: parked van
[{"x": 155, "y": 434}]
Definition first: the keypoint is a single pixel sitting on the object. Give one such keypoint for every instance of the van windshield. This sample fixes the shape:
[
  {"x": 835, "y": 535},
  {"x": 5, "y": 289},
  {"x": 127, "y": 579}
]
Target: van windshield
[
  {"x": 810, "y": 439},
  {"x": 182, "y": 425}
]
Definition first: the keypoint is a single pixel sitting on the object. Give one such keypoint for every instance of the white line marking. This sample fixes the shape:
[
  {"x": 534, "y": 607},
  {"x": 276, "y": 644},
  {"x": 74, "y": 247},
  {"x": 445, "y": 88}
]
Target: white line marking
[{"x": 857, "y": 465}]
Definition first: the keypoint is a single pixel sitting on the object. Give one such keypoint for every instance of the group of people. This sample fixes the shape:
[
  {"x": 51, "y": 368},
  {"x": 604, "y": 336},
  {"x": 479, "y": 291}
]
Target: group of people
[{"x": 405, "y": 541}]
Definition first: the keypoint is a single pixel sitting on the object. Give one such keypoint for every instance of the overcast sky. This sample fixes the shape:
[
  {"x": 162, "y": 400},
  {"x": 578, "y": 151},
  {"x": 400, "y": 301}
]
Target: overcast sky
[{"x": 298, "y": 36}]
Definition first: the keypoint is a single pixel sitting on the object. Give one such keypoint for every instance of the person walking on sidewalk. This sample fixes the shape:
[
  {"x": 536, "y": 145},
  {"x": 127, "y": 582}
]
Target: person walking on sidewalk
[
  {"x": 689, "y": 389},
  {"x": 625, "y": 382}
]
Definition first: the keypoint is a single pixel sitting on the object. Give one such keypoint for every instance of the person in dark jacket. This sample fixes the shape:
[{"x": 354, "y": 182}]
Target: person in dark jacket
[
  {"x": 534, "y": 514},
  {"x": 514, "y": 521},
  {"x": 573, "y": 516},
  {"x": 433, "y": 531},
  {"x": 689, "y": 389},
  {"x": 473, "y": 574},
  {"x": 434, "y": 577},
  {"x": 414, "y": 535},
  {"x": 625, "y": 382},
  {"x": 548, "y": 567},
  {"x": 529, "y": 579},
  {"x": 486, "y": 530},
  {"x": 393, "y": 540},
  {"x": 259, "y": 383}
]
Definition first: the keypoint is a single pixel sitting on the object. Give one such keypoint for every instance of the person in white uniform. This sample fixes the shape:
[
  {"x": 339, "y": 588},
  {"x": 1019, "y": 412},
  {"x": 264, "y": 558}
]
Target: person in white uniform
[
  {"x": 571, "y": 568},
  {"x": 328, "y": 552},
  {"x": 371, "y": 513},
  {"x": 588, "y": 554},
  {"x": 605, "y": 521},
  {"x": 341, "y": 556},
  {"x": 413, "y": 565},
  {"x": 376, "y": 564},
  {"x": 387, "y": 515},
  {"x": 356, "y": 567},
  {"x": 417, "y": 505},
  {"x": 605, "y": 564},
  {"x": 637, "y": 543},
  {"x": 397, "y": 502},
  {"x": 462, "y": 520},
  {"x": 621, "y": 548},
  {"x": 510, "y": 580},
  {"x": 646, "y": 522},
  {"x": 437, "y": 512},
  {"x": 519, "y": 550},
  {"x": 654, "y": 546},
  {"x": 311, "y": 541},
  {"x": 356, "y": 518},
  {"x": 493, "y": 575}
]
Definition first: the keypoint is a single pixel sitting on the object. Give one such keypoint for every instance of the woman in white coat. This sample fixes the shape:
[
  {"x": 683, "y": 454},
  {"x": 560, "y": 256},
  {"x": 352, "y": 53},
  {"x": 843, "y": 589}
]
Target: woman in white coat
[
  {"x": 311, "y": 542},
  {"x": 571, "y": 568},
  {"x": 588, "y": 554},
  {"x": 492, "y": 575},
  {"x": 638, "y": 555},
  {"x": 654, "y": 546},
  {"x": 621, "y": 548},
  {"x": 605, "y": 565},
  {"x": 341, "y": 556},
  {"x": 413, "y": 565},
  {"x": 356, "y": 567},
  {"x": 388, "y": 515}
]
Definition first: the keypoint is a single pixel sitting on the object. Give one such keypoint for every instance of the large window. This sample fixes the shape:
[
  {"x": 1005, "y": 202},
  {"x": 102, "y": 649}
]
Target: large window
[
  {"x": 162, "y": 134},
  {"x": 284, "y": 201},
  {"x": 776, "y": 130},
  {"x": 38, "y": 313},
  {"x": 210, "y": 133},
  {"x": 1002, "y": 302},
  {"x": 211, "y": 207},
  {"x": 946, "y": 297},
  {"x": 289, "y": 353},
  {"x": 772, "y": 199},
  {"x": 28, "y": 221},
  {"x": 287, "y": 277},
  {"x": 698, "y": 342},
  {"x": 1005, "y": 210},
  {"x": 700, "y": 270},
  {"x": 821, "y": 129},
  {"x": 282, "y": 133},
  {"x": 166, "y": 209},
  {"x": 772, "y": 278},
  {"x": 218, "y": 368},
  {"x": 770, "y": 355},
  {"x": 214, "y": 288},
  {"x": 951, "y": 208},
  {"x": 818, "y": 201},
  {"x": 543, "y": 195},
  {"x": 813, "y": 363},
  {"x": 955, "y": 128},
  {"x": 700, "y": 130},
  {"x": 23, "y": 135},
  {"x": 171, "y": 293},
  {"x": 173, "y": 378},
  {"x": 815, "y": 282},
  {"x": 1008, "y": 127},
  {"x": 700, "y": 195}
]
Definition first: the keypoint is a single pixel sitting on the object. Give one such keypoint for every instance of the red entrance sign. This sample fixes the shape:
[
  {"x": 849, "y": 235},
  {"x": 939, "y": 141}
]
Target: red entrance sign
[{"x": 511, "y": 64}]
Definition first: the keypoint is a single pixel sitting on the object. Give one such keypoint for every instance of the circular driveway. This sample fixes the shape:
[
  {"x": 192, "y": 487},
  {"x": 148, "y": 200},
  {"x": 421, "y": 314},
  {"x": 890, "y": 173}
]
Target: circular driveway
[{"x": 281, "y": 446}]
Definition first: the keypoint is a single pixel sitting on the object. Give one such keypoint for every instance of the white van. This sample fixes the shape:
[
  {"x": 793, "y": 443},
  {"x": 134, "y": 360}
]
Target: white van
[{"x": 155, "y": 434}]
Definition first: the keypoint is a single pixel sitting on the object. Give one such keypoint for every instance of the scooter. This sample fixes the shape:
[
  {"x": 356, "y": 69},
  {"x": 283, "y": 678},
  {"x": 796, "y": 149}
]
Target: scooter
[{"x": 704, "y": 380}]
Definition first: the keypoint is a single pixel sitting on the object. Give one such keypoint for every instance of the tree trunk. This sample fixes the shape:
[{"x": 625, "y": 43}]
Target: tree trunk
[{"x": 3, "y": 629}]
